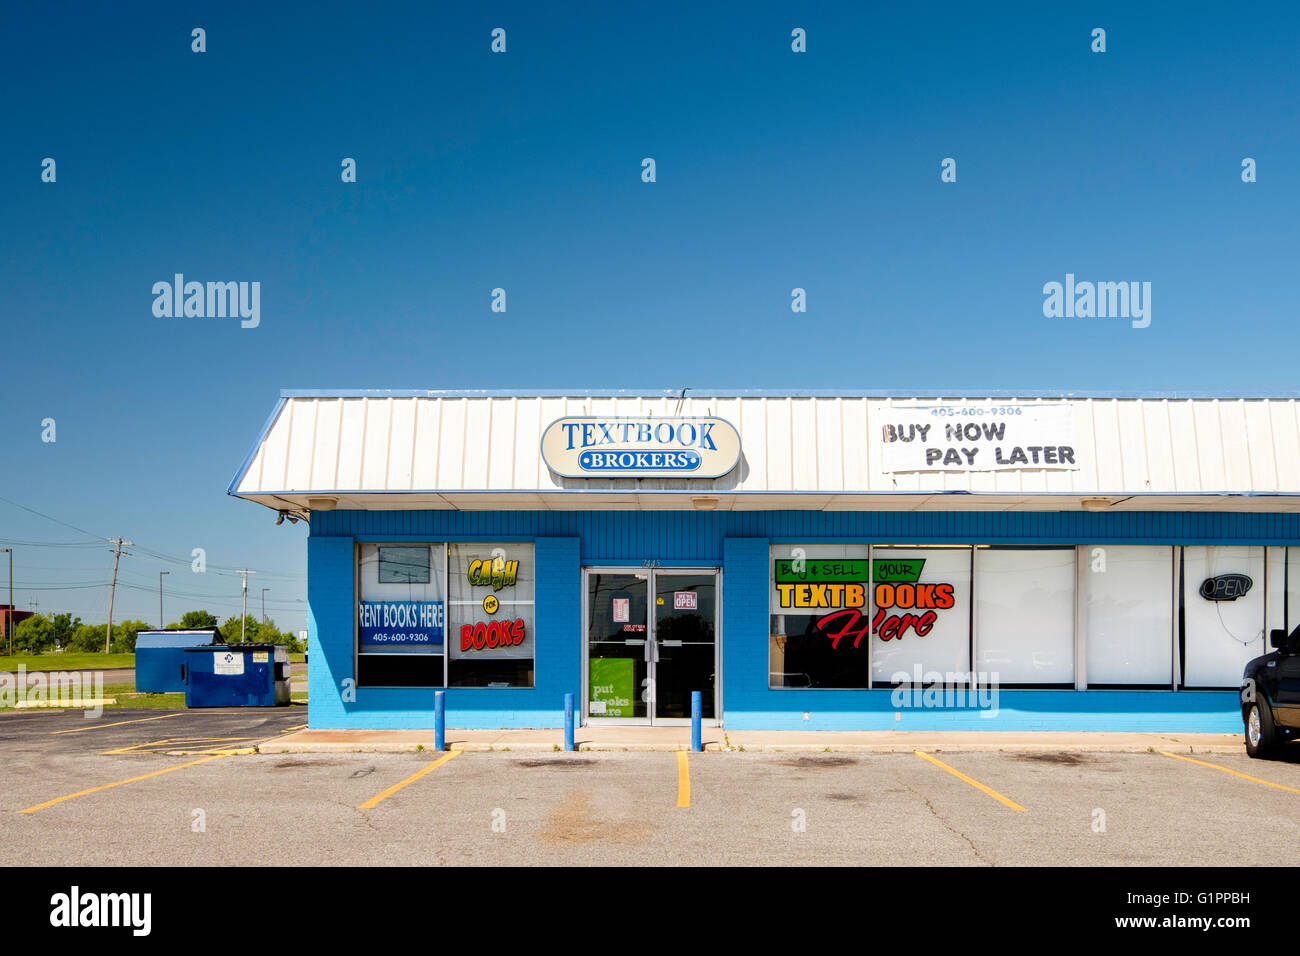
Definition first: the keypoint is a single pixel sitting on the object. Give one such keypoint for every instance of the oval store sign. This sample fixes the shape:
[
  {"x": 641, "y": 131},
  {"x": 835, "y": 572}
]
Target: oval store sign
[{"x": 641, "y": 447}]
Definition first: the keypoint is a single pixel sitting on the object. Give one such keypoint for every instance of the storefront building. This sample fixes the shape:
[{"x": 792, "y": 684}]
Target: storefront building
[{"x": 807, "y": 561}]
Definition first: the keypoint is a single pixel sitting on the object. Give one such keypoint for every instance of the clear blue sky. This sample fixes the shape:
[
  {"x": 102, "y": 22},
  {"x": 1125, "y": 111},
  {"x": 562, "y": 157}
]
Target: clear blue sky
[{"x": 523, "y": 171}]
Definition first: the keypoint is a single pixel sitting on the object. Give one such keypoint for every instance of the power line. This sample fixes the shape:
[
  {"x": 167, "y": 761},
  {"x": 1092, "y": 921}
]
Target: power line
[
  {"x": 55, "y": 520},
  {"x": 211, "y": 568},
  {"x": 119, "y": 543},
  {"x": 59, "y": 587},
  {"x": 286, "y": 604},
  {"x": 49, "y": 544}
]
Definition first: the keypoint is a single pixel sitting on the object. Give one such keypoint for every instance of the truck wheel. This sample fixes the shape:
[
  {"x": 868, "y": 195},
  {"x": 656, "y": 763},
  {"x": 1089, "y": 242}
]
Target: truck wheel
[{"x": 1261, "y": 733}]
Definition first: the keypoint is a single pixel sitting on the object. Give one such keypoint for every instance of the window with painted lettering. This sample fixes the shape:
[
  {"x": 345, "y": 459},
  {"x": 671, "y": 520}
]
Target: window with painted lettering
[
  {"x": 401, "y": 615},
  {"x": 920, "y": 614},
  {"x": 812, "y": 584},
  {"x": 491, "y": 615}
]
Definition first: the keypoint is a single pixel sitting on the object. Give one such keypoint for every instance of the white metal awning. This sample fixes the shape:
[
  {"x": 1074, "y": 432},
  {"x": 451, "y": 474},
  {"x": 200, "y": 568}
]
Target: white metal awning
[{"x": 480, "y": 451}]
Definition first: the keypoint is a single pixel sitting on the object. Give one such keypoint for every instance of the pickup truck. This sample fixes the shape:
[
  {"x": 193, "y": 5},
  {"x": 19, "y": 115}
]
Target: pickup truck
[{"x": 1270, "y": 695}]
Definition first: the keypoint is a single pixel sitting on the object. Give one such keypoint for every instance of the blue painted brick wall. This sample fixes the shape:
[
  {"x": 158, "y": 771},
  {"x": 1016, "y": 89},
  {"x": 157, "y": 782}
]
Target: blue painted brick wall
[
  {"x": 329, "y": 629},
  {"x": 330, "y": 592},
  {"x": 738, "y": 542},
  {"x": 744, "y": 623}
]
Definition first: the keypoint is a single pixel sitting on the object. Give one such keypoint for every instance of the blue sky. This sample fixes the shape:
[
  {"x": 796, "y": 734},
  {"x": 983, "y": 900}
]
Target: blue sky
[{"x": 522, "y": 171}]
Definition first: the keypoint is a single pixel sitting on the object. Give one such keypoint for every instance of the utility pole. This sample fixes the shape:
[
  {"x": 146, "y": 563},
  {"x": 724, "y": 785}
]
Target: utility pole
[
  {"x": 9, "y": 612},
  {"x": 162, "y": 621},
  {"x": 264, "y": 590},
  {"x": 243, "y": 617},
  {"x": 118, "y": 544}
]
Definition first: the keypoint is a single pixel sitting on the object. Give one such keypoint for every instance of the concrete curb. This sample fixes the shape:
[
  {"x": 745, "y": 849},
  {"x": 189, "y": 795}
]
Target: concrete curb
[
  {"x": 89, "y": 703},
  {"x": 274, "y": 746}
]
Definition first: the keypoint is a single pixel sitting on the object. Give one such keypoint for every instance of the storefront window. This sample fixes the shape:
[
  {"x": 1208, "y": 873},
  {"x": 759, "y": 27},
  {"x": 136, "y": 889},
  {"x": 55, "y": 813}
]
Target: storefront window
[
  {"x": 401, "y": 615},
  {"x": 1283, "y": 600},
  {"x": 1223, "y": 613},
  {"x": 1024, "y": 614},
  {"x": 491, "y": 614},
  {"x": 1127, "y": 607},
  {"x": 920, "y": 617},
  {"x": 814, "y": 587}
]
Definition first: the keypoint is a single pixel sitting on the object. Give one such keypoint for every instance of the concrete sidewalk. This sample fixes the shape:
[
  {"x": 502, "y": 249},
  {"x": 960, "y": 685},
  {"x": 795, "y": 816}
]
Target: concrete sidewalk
[{"x": 719, "y": 739}]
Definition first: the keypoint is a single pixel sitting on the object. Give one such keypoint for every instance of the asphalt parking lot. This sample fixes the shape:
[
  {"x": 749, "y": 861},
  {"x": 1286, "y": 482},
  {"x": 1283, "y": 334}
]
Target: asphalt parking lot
[{"x": 142, "y": 788}]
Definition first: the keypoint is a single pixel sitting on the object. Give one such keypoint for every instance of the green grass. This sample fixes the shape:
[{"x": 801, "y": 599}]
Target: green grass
[
  {"x": 70, "y": 661},
  {"x": 78, "y": 661},
  {"x": 296, "y": 658},
  {"x": 127, "y": 697}
]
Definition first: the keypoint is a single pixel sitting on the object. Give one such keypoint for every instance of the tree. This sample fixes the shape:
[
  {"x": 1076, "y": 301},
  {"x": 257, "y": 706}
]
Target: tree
[
  {"x": 255, "y": 630},
  {"x": 193, "y": 620},
  {"x": 64, "y": 626},
  {"x": 252, "y": 628},
  {"x": 86, "y": 638},
  {"x": 35, "y": 635},
  {"x": 124, "y": 635}
]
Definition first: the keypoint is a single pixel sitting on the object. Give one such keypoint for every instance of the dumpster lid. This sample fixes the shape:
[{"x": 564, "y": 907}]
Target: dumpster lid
[{"x": 237, "y": 646}]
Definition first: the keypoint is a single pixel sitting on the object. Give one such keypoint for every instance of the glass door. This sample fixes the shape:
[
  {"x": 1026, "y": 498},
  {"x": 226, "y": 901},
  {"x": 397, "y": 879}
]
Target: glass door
[
  {"x": 651, "y": 641},
  {"x": 685, "y": 638},
  {"x": 618, "y": 658}
]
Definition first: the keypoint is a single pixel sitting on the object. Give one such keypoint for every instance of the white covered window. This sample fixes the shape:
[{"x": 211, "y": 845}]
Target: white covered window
[
  {"x": 1126, "y": 605},
  {"x": 1223, "y": 613},
  {"x": 1024, "y": 614}
]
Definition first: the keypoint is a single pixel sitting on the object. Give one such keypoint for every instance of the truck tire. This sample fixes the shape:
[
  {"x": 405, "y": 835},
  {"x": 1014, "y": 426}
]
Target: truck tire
[{"x": 1262, "y": 737}]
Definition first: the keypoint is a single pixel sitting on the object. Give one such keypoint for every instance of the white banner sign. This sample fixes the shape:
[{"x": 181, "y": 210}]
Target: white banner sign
[
  {"x": 227, "y": 662},
  {"x": 978, "y": 437}
]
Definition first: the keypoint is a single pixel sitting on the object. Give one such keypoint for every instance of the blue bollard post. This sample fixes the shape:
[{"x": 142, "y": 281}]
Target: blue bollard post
[
  {"x": 568, "y": 722},
  {"x": 439, "y": 720},
  {"x": 697, "y": 744}
]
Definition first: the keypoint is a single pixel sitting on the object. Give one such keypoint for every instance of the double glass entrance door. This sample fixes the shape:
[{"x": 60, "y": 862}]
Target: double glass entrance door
[{"x": 651, "y": 641}]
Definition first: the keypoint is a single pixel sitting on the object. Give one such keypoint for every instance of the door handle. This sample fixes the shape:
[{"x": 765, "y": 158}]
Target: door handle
[{"x": 651, "y": 652}]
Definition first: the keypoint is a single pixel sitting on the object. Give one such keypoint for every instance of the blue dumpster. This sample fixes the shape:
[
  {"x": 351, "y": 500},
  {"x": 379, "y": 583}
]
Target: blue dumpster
[
  {"x": 237, "y": 675},
  {"x": 160, "y": 658}
]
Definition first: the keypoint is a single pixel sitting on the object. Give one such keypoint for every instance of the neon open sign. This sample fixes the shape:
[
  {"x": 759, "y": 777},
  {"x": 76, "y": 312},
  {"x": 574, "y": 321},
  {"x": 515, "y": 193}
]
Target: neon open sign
[{"x": 1226, "y": 587}]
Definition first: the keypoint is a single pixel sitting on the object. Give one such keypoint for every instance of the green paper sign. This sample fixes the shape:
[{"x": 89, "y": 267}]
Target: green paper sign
[
  {"x": 898, "y": 570},
  {"x": 822, "y": 571},
  {"x": 612, "y": 683}
]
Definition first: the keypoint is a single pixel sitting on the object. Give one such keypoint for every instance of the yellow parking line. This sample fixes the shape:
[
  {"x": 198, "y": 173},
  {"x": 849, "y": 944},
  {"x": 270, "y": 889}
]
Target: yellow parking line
[
  {"x": 974, "y": 783},
  {"x": 117, "y": 723},
  {"x": 291, "y": 729},
  {"x": 683, "y": 779},
  {"x": 106, "y": 786},
  {"x": 163, "y": 744},
  {"x": 373, "y": 801},
  {"x": 1243, "y": 776}
]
